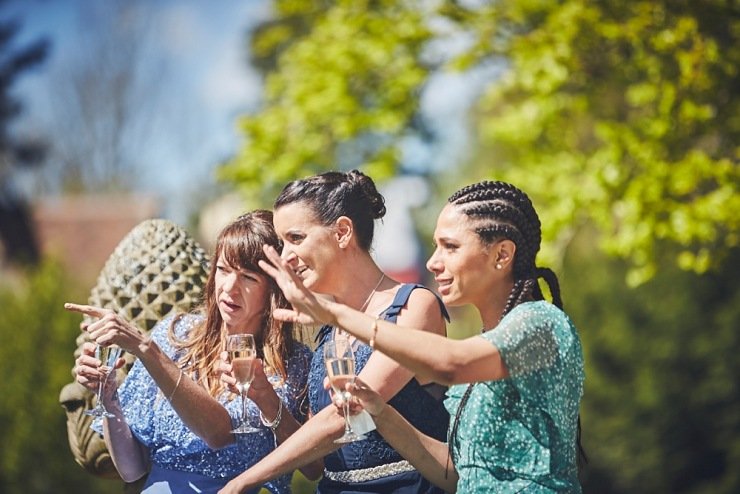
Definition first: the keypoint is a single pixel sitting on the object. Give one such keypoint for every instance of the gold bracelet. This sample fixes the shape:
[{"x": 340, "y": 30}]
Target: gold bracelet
[
  {"x": 177, "y": 384},
  {"x": 374, "y": 329}
]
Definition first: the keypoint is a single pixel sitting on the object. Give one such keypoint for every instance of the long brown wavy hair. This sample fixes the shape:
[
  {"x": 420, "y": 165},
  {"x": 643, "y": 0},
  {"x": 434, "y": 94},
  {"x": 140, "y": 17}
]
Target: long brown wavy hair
[{"x": 241, "y": 244}]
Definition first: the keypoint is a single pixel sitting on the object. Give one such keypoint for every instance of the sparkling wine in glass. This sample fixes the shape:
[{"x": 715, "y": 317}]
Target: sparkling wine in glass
[
  {"x": 340, "y": 369},
  {"x": 108, "y": 355},
  {"x": 242, "y": 354}
]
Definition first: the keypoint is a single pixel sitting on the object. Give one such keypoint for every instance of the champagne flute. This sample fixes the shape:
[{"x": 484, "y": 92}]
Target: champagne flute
[
  {"x": 242, "y": 354},
  {"x": 340, "y": 369},
  {"x": 108, "y": 355}
]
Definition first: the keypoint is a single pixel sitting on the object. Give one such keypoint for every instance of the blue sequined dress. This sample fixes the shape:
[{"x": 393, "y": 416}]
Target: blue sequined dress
[
  {"x": 180, "y": 460},
  {"x": 364, "y": 466},
  {"x": 519, "y": 434}
]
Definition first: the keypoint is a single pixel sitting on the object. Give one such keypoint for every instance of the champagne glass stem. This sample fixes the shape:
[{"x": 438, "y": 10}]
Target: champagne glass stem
[
  {"x": 245, "y": 391},
  {"x": 100, "y": 392},
  {"x": 347, "y": 426},
  {"x": 99, "y": 409},
  {"x": 103, "y": 382}
]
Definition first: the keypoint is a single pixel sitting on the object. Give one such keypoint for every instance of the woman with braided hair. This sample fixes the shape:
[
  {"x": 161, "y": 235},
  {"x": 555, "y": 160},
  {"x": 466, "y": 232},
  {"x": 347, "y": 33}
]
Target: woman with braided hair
[{"x": 515, "y": 389}]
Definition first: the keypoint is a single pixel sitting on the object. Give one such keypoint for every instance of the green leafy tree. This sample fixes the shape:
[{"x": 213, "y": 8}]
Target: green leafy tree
[
  {"x": 343, "y": 95},
  {"x": 35, "y": 362},
  {"x": 661, "y": 408},
  {"x": 620, "y": 120},
  {"x": 635, "y": 102},
  {"x": 622, "y": 115},
  {"x": 292, "y": 20}
]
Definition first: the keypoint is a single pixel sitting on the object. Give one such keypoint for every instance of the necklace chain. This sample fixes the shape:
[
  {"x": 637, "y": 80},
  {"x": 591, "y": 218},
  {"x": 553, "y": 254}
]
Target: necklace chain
[
  {"x": 372, "y": 292},
  {"x": 339, "y": 331}
]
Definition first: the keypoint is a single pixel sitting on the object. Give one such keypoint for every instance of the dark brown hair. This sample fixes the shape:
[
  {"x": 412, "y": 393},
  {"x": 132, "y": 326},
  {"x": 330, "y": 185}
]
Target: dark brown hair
[{"x": 333, "y": 194}]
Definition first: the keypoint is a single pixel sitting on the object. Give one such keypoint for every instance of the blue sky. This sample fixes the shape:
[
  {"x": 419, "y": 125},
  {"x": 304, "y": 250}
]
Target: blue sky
[
  {"x": 208, "y": 85},
  {"x": 208, "y": 82}
]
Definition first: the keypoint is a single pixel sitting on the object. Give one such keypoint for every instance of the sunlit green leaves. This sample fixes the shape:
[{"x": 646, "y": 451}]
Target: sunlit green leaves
[
  {"x": 622, "y": 115},
  {"x": 36, "y": 360},
  {"x": 351, "y": 81}
]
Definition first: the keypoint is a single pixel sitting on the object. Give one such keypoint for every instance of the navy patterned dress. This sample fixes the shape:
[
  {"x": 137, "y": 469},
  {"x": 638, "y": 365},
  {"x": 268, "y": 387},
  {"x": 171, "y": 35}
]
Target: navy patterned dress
[{"x": 371, "y": 465}]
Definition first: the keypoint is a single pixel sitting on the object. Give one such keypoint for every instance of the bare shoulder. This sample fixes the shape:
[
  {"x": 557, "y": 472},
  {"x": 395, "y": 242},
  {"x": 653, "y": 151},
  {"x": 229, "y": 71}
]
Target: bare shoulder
[
  {"x": 423, "y": 311},
  {"x": 422, "y": 297}
]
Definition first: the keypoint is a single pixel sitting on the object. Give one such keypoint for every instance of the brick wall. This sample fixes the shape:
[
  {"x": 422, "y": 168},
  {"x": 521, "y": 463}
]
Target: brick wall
[{"x": 82, "y": 231}]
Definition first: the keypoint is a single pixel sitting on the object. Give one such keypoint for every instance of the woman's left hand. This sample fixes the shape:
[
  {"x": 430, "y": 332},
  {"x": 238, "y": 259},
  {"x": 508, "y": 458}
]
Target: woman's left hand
[
  {"x": 363, "y": 398},
  {"x": 226, "y": 373},
  {"x": 308, "y": 308},
  {"x": 259, "y": 386},
  {"x": 110, "y": 328}
]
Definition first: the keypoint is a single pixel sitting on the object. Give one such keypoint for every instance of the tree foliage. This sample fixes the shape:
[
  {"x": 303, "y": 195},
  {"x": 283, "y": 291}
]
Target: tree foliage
[
  {"x": 620, "y": 119},
  {"x": 661, "y": 408},
  {"x": 343, "y": 95},
  {"x": 623, "y": 115},
  {"x": 35, "y": 362}
]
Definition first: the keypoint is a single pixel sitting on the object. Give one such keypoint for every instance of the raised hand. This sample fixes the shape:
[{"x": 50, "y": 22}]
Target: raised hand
[
  {"x": 307, "y": 307},
  {"x": 110, "y": 328}
]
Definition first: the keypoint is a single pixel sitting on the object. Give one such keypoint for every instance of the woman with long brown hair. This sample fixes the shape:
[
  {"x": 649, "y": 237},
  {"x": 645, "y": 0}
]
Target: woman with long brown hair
[{"x": 172, "y": 415}]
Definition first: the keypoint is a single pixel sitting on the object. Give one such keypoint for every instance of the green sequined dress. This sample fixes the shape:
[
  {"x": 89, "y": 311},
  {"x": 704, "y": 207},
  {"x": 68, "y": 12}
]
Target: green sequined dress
[{"x": 519, "y": 434}]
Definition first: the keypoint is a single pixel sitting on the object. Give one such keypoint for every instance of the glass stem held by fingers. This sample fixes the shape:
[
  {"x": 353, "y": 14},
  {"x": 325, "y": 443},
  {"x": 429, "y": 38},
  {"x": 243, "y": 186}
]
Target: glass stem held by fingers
[
  {"x": 340, "y": 369},
  {"x": 108, "y": 355},
  {"x": 242, "y": 354}
]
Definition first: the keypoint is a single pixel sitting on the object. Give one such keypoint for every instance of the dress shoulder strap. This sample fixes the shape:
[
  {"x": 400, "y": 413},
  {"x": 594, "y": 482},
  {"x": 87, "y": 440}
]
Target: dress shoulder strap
[
  {"x": 391, "y": 313},
  {"x": 402, "y": 297}
]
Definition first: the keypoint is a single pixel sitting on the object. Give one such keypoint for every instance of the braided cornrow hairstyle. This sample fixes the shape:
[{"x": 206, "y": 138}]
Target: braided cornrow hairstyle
[{"x": 501, "y": 211}]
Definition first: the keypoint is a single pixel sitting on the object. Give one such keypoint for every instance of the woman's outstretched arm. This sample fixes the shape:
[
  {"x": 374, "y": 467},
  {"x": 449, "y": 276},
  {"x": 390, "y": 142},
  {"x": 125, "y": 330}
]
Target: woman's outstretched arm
[
  {"x": 316, "y": 438},
  {"x": 429, "y": 356},
  {"x": 202, "y": 413},
  {"x": 199, "y": 411}
]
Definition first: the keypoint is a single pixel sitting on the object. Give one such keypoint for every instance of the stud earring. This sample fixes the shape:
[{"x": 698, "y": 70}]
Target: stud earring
[{"x": 498, "y": 265}]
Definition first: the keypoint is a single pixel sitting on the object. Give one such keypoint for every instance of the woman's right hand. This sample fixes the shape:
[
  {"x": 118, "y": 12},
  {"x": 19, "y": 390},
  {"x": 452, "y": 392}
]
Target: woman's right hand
[
  {"x": 109, "y": 328},
  {"x": 307, "y": 307},
  {"x": 87, "y": 369}
]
